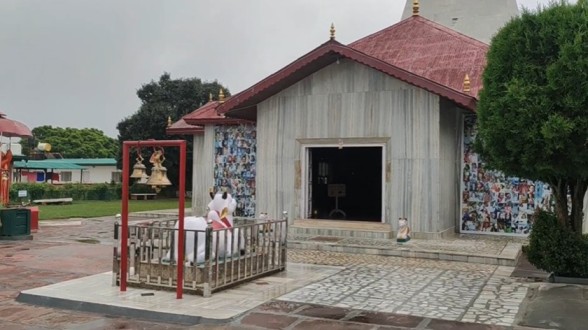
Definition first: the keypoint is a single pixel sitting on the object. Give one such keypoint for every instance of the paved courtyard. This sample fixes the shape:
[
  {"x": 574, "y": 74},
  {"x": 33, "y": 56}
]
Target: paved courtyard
[
  {"x": 436, "y": 289},
  {"x": 426, "y": 292}
]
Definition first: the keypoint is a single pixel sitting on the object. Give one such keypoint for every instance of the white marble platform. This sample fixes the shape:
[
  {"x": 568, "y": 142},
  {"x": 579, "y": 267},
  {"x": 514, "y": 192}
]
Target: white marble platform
[{"x": 96, "y": 294}]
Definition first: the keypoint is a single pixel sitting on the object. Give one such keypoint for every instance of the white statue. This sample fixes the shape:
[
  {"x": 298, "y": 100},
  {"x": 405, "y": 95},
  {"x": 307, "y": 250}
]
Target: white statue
[
  {"x": 403, "y": 230},
  {"x": 220, "y": 212}
]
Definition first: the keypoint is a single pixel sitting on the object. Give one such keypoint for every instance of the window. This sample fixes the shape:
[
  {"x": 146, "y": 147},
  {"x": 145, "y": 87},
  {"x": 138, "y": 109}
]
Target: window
[
  {"x": 86, "y": 176},
  {"x": 65, "y": 176},
  {"x": 116, "y": 177}
]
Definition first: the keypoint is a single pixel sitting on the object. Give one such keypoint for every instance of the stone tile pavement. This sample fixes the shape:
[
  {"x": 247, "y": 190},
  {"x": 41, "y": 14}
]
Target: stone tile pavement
[
  {"x": 302, "y": 316},
  {"x": 436, "y": 289}
]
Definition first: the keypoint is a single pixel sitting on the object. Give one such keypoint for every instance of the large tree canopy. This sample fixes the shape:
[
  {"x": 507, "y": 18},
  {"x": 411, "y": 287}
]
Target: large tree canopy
[
  {"x": 163, "y": 99},
  {"x": 74, "y": 142},
  {"x": 533, "y": 110}
]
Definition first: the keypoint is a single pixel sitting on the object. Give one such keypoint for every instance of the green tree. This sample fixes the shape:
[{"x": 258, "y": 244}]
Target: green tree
[
  {"x": 160, "y": 100},
  {"x": 73, "y": 142},
  {"x": 533, "y": 110}
]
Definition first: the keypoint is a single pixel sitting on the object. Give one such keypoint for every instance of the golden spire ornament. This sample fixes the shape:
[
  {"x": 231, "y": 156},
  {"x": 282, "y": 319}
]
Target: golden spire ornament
[
  {"x": 209, "y": 97},
  {"x": 169, "y": 121},
  {"x": 467, "y": 84},
  {"x": 332, "y": 31},
  {"x": 415, "y": 8},
  {"x": 221, "y": 96}
]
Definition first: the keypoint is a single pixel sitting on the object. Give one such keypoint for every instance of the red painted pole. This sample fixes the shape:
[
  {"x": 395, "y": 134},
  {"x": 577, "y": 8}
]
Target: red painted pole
[
  {"x": 125, "y": 217},
  {"x": 182, "y": 197},
  {"x": 181, "y": 206}
]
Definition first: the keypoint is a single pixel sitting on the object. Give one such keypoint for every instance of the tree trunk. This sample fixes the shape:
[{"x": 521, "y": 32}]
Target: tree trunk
[
  {"x": 560, "y": 191},
  {"x": 578, "y": 191}
]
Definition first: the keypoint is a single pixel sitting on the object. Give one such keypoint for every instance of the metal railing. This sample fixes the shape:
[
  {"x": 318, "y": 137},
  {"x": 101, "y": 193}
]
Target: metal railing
[{"x": 216, "y": 260}]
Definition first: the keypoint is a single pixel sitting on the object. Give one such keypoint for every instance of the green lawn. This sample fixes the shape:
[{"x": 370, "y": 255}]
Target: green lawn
[{"x": 90, "y": 209}]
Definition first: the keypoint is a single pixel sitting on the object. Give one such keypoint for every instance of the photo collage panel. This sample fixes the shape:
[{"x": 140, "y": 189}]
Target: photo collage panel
[
  {"x": 492, "y": 202},
  {"x": 234, "y": 164}
]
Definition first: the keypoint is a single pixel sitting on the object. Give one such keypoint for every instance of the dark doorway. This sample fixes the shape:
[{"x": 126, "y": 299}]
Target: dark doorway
[{"x": 346, "y": 183}]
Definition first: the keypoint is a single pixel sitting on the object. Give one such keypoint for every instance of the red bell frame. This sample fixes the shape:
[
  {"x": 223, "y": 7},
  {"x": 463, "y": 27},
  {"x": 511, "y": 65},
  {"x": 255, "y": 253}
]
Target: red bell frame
[{"x": 125, "y": 207}]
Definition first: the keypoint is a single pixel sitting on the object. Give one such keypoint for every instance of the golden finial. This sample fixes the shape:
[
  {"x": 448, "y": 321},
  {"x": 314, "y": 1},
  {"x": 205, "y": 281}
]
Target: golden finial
[
  {"x": 209, "y": 97},
  {"x": 415, "y": 7},
  {"x": 221, "y": 96},
  {"x": 169, "y": 122},
  {"x": 466, "y": 84},
  {"x": 332, "y": 30}
]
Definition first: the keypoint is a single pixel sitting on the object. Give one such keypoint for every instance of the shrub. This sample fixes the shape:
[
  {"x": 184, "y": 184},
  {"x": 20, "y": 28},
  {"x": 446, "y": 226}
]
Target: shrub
[
  {"x": 140, "y": 188},
  {"x": 76, "y": 191},
  {"x": 557, "y": 249}
]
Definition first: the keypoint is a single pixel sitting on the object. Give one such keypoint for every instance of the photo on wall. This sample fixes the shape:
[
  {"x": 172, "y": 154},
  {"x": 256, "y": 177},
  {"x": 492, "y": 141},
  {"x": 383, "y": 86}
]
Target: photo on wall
[
  {"x": 492, "y": 202},
  {"x": 234, "y": 164}
]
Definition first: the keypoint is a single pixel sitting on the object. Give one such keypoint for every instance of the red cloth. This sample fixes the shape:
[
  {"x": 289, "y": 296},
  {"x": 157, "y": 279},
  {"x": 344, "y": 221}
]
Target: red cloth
[
  {"x": 221, "y": 225},
  {"x": 31, "y": 177}
]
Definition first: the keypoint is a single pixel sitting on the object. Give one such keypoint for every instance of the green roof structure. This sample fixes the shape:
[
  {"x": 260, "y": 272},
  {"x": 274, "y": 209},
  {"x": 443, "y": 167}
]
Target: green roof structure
[
  {"x": 46, "y": 165},
  {"x": 88, "y": 161}
]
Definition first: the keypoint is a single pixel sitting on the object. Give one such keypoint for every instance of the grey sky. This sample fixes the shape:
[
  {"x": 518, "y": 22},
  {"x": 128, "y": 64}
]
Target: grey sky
[{"x": 78, "y": 63}]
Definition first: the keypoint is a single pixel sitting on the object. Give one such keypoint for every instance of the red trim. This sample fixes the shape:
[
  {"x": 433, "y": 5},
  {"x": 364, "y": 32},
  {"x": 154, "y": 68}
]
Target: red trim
[
  {"x": 319, "y": 58},
  {"x": 185, "y": 131}
]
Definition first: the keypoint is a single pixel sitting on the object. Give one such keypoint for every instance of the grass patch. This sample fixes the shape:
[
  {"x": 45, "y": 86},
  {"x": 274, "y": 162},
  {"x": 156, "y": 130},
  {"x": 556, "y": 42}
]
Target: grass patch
[{"x": 92, "y": 209}]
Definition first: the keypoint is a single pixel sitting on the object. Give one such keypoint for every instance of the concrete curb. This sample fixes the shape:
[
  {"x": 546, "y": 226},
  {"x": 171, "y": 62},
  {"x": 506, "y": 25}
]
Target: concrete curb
[{"x": 127, "y": 312}]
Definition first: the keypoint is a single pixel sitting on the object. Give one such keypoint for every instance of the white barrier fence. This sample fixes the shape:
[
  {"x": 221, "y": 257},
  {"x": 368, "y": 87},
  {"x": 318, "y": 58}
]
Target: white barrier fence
[{"x": 231, "y": 255}]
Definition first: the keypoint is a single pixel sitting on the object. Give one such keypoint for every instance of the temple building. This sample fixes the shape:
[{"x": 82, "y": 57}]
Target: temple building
[{"x": 350, "y": 138}]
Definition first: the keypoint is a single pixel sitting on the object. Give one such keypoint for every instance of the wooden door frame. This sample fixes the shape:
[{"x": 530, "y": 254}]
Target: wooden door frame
[{"x": 305, "y": 147}]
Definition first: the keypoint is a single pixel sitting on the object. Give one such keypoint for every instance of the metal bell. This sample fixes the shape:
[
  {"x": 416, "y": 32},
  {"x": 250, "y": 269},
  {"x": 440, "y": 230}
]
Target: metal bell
[
  {"x": 139, "y": 170},
  {"x": 158, "y": 178}
]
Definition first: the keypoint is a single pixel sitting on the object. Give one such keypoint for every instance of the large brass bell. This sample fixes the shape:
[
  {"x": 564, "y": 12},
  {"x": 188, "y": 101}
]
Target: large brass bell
[
  {"x": 139, "y": 169},
  {"x": 158, "y": 176}
]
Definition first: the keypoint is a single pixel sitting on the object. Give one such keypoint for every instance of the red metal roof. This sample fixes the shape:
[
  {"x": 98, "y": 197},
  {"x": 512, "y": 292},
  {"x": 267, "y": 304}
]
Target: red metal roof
[
  {"x": 13, "y": 128},
  {"x": 207, "y": 114},
  {"x": 429, "y": 50},
  {"x": 180, "y": 127},
  {"x": 416, "y": 50}
]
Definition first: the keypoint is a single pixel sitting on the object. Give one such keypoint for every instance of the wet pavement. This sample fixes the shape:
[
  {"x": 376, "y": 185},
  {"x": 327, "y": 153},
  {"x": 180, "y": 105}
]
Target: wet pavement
[
  {"x": 557, "y": 306},
  {"x": 58, "y": 253},
  {"x": 67, "y": 250}
]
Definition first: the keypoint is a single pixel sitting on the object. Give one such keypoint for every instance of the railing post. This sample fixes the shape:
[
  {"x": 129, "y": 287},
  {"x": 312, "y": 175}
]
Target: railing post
[
  {"x": 285, "y": 238},
  {"x": 115, "y": 261},
  {"x": 206, "y": 286},
  {"x": 132, "y": 250}
]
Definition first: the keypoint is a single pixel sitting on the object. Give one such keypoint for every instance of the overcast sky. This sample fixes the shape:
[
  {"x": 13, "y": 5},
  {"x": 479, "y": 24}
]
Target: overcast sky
[{"x": 78, "y": 63}]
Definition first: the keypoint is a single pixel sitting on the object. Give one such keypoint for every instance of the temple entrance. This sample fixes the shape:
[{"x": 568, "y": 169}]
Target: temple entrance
[{"x": 345, "y": 183}]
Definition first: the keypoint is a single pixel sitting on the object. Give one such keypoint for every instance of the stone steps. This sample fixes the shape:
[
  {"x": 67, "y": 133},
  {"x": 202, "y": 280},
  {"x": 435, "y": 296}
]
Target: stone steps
[
  {"x": 348, "y": 229},
  {"x": 506, "y": 256}
]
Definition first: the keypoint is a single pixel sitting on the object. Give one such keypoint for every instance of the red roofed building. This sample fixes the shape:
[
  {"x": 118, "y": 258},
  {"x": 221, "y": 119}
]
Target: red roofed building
[
  {"x": 371, "y": 131},
  {"x": 224, "y": 154},
  {"x": 182, "y": 128}
]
